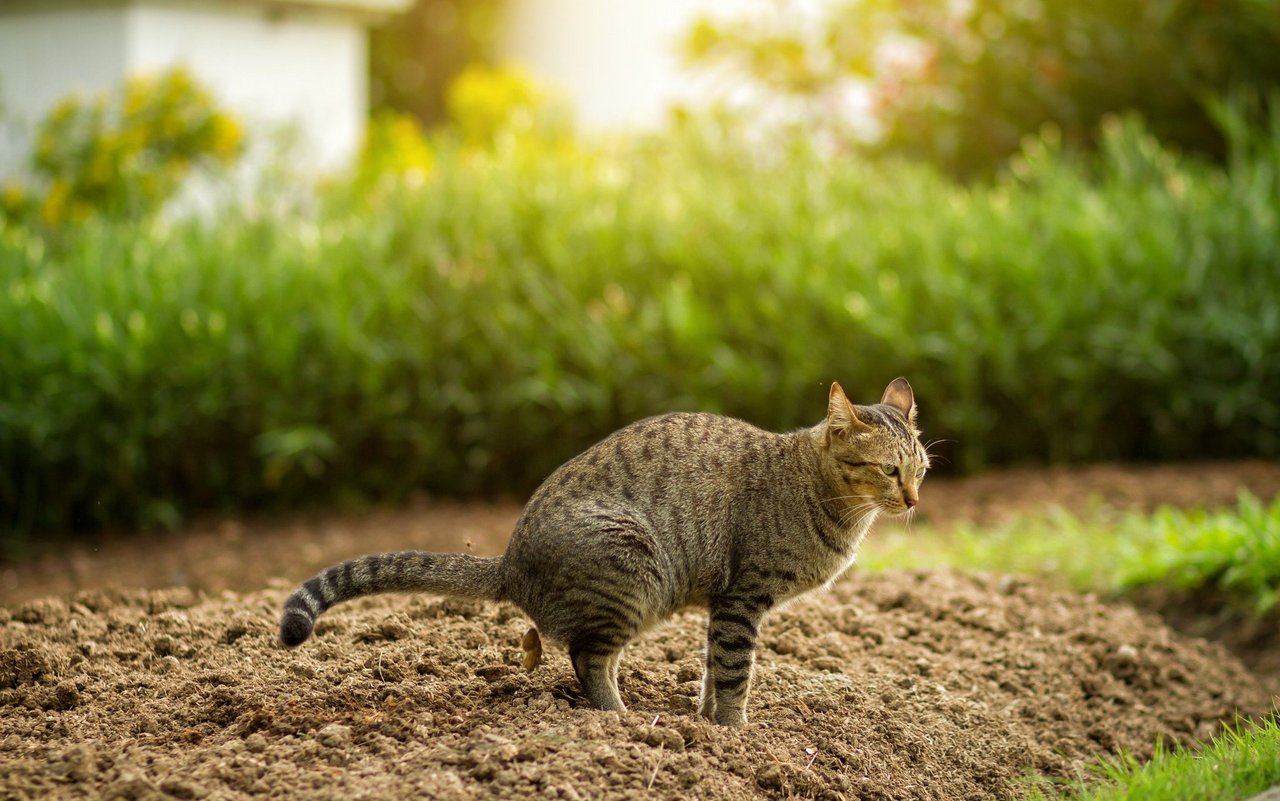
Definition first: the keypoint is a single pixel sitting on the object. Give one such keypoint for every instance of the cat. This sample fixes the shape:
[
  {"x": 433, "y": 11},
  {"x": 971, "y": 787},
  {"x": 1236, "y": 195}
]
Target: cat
[{"x": 673, "y": 511}]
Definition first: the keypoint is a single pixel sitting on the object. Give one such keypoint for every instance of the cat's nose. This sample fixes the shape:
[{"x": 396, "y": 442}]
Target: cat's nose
[{"x": 910, "y": 501}]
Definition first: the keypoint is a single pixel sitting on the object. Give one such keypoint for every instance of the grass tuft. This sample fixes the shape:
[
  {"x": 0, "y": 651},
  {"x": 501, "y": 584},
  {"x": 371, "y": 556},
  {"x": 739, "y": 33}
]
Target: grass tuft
[
  {"x": 1234, "y": 552},
  {"x": 1238, "y": 763}
]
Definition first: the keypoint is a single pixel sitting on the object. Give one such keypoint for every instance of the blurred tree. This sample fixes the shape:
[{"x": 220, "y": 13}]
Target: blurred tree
[
  {"x": 961, "y": 82},
  {"x": 415, "y": 56}
]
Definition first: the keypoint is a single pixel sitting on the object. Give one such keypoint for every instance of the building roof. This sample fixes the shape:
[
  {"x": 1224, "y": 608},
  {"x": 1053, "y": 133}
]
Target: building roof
[{"x": 375, "y": 7}]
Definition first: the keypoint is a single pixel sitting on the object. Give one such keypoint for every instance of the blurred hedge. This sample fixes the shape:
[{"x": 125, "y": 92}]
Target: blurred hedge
[{"x": 465, "y": 326}]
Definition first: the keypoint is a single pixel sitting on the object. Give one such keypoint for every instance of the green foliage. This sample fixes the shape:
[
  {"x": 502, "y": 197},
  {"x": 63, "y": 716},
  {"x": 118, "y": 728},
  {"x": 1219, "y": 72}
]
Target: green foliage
[
  {"x": 1237, "y": 764},
  {"x": 415, "y": 56},
  {"x": 488, "y": 105},
  {"x": 962, "y": 84},
  {"x": 123, "y": 155},
  {"x": 1234, "y": 553},
  {"x": 468, "y": 322}
]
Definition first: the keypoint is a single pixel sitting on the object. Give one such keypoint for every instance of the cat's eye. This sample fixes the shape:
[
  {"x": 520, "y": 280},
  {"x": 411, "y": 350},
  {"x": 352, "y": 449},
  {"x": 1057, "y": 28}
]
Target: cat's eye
[
  {"x": 889, "y": 469},
  {"x": 920, "y": 473}
]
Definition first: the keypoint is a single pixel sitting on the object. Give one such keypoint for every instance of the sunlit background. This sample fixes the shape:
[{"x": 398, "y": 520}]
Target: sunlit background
[
  {"x": 262, "y": 253},
  {"x": 283, "y": 281}
]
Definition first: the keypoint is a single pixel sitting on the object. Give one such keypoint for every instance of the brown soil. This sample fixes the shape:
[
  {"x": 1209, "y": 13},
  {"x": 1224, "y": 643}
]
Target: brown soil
[
  {"x": 893, "y": 686},
  {"x": 898, "y": 685}
]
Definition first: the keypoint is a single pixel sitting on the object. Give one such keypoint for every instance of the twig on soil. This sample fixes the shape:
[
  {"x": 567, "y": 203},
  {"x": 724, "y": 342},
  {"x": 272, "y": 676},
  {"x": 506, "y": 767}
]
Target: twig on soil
[
  {"x": 652, "y": 776},
  {"x": 649, "y": 785},
  {"x": 772, "y": 755}
]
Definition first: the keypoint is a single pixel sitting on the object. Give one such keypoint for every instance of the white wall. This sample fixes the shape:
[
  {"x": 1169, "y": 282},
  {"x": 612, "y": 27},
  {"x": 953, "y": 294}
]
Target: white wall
[
  {"x": 303, "y": 68},
  {"x": 44, "y": 57},
  {"x": 617, "y": 60},
  {"x": 285, "y": 67}
]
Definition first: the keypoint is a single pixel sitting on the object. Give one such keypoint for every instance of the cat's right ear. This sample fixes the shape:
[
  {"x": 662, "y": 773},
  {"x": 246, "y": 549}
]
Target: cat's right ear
[{"x": 841, "y": 418}]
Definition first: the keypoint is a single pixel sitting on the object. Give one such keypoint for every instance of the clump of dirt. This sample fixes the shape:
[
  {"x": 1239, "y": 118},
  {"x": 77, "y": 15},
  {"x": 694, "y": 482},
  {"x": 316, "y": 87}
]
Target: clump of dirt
[{"x": 899, "y": 685}]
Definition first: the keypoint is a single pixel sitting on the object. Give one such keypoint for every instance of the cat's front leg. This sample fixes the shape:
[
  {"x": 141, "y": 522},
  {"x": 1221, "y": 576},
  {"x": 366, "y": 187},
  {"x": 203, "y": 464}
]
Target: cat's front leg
[{"x": 731, "y": 647}]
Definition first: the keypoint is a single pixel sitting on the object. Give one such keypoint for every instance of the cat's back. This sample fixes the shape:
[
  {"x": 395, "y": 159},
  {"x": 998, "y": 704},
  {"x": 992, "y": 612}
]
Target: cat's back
[
  {"x": 671, "y": 460},
  {"x": 669, "y": 446}
]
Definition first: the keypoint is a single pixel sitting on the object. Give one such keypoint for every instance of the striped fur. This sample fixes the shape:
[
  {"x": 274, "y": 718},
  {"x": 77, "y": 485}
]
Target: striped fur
[
  {"x": 406, "y": 571},
  {"x": 673, "y": 511}
]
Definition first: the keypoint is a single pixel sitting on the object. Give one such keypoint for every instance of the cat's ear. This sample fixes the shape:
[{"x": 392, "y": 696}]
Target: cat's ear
[
  {"x": 841, "y": 418},
  {"x": 899, "y": 395}
]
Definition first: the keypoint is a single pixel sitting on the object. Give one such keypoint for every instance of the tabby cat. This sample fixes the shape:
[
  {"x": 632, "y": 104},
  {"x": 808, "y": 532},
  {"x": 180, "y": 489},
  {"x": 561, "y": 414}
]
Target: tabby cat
[{"x": 669, "y": 512}]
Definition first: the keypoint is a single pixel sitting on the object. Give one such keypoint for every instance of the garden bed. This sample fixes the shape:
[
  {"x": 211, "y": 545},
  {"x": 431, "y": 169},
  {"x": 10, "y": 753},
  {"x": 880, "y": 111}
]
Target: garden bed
[{"x": 895, "y": 685}]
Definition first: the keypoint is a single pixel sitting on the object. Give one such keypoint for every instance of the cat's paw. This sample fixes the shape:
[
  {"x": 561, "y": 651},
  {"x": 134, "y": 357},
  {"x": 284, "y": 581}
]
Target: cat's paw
[
  {"x": 707, "y": 708},
  {"x": 731, "y": 717}
]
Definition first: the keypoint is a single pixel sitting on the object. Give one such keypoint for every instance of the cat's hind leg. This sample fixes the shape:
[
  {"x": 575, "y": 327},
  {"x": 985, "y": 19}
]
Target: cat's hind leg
[
  {"x": 596, "y": 668},
  {"x": 596, "y": 651}
]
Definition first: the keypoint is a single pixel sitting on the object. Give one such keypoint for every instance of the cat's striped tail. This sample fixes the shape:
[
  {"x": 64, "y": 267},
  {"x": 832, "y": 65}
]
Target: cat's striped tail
[{"x": 405, "y": 571}]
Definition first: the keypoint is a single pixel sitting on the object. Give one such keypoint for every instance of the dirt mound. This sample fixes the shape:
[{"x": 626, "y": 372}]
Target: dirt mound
[{"x": 892, "y": 686}]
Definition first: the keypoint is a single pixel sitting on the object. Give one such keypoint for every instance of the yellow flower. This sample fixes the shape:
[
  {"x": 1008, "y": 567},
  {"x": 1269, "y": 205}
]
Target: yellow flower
[
  {"x": 227, "y": 137},
  {"x": 14, "y": 197},
  {"x": 102, "y": 167},
  {"x": 485, "y": 100},
  {"x": 53, "y": 210},
  {"x": 395, "y": 144},
  {"x": 137, "y": 96}
]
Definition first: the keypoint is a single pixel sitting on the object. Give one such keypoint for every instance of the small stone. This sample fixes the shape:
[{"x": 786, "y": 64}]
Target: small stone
[
  {"x": 181, "y": 788},
  {"x": 22, "y": 665},
  {"x": 75, "y": 764},
  {"x": 505, "y": 776},
  {"x": 680, "y": 703},
  {"x": 492, "y": 673},
  {"x": 131, "y": 787},
  {"x": 769, "y": 777},
  {"x": 335, "y": 735}
]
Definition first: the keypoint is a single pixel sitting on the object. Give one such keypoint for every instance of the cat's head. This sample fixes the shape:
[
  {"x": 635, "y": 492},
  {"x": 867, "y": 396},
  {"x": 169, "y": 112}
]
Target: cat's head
[{"x": 873, "y": 453}]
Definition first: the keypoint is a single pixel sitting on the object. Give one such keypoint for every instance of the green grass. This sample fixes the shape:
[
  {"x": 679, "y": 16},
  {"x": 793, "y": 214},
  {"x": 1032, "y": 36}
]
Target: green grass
[
  {"x": 1233, "y": 552},
  {"x": 467, "y": 330},
  {"x": 1237, "y": 764}
]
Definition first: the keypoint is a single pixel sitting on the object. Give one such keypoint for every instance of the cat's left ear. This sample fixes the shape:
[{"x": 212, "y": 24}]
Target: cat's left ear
[
  {"x": 842, "y": 420},
  {"x": 899, "y": 395}
]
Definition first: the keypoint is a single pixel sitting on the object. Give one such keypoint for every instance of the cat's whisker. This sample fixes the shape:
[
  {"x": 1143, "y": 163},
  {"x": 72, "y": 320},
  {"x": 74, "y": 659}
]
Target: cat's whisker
[
  {"x": 848, "y": 497},
  {"x": 858, "y": 510},
  {"x": 928, "y": 449}
]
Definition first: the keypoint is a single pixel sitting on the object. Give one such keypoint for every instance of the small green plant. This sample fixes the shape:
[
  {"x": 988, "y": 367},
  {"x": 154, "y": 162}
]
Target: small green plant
[
  {"x": 1231, "y": 552},
  {"x": 1238, "y": 763},
  {"x": 1236, "y": 553}
]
